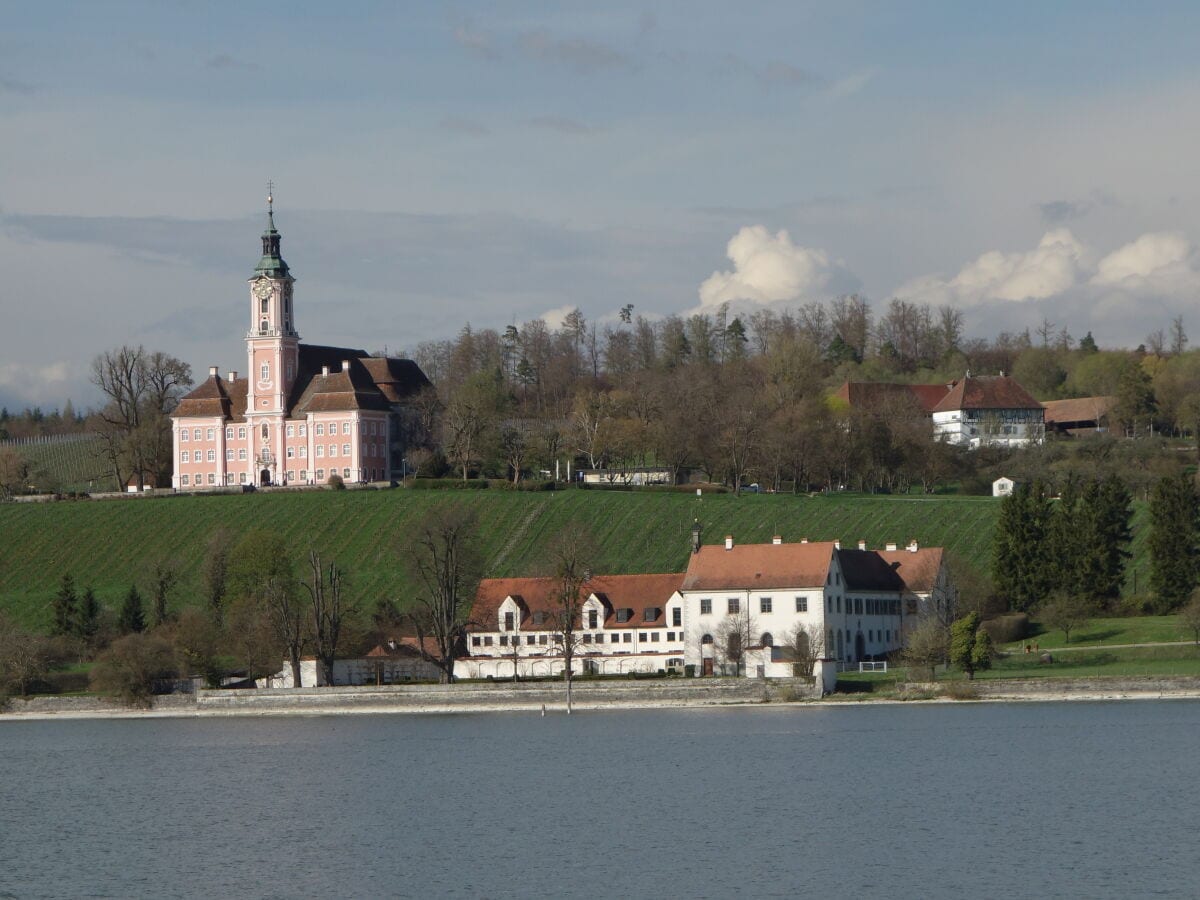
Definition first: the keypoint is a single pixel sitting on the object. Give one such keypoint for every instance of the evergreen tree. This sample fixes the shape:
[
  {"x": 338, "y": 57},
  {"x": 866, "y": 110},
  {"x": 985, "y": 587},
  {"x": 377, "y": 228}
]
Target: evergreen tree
[
  {"x": 1068, "y": 537},
  {"x": 1174, "y": 519},
  {"x": 962, "y": 643},
  {"x": 982, "y": 652},
  {"x": 133, "y": 617},
  {"x": 1023, "y": 559},
  {"x": 1088, "y": 344},
  {"x": 66, "y": 607},
  {"x": 89, "y": 615},
  {"x": 1110, "y": 532}
]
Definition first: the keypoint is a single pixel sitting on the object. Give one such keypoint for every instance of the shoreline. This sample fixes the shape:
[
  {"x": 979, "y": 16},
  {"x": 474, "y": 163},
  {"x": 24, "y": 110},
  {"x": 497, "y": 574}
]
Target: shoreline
[{"x": 333, "y": 705}]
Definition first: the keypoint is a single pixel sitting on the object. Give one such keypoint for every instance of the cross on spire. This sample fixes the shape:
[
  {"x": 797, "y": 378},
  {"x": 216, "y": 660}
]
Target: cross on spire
[{"x": 270, "y": 194}]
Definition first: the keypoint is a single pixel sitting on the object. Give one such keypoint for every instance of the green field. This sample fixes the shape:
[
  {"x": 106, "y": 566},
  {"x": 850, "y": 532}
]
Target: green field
[
  {"x": 109, "y": 544},
  {"x": 72, "y": 465}
]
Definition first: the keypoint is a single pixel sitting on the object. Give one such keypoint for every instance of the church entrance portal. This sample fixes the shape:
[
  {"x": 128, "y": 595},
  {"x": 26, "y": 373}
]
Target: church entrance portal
[{"x": 265, "y": 477}]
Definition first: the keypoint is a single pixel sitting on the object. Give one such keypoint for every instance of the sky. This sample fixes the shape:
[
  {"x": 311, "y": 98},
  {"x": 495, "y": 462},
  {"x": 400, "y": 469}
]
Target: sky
[{"x": 438, "y": 164}]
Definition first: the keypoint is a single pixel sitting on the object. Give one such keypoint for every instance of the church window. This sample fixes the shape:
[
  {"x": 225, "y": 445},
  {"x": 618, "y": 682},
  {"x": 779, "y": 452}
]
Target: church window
[
  {"x": 229, "y": 454},
  {"x": 291, "y": 452},
  {"x": 264, "y": 306},
  {"x": 291, "y": 431},
  {"x": 211, "y": 434},
  {"x": 212, "y": 478},
  {"x": 183, "y": 434},
  {"x": 266, "y": 432},
  {"x": 333, "y": 449},
  {"x": 320, "y": 451},
  {"x": 242, "y": 477},
  {"x": 183, "y": 479},
  {"x": 303, "y": 474},
  {"x": 264, "y": 372},
  {"x": 183, "y": 457},
  {"x": 196, "y": 434},
  {"x": 212, "y": 455},
  {"x": 320, "y": 474},
  {"x": 320, "y": 429},
  {"x": 241, "y": 453},
  {"x": 262, "y": 327},
  {"x": 242, "y": 433},
  {"x": 229, "y": 434},
  {"x": 345, "y": 449},
  {"x": 291, "y": 367},
  {"x": 345, "y": 428},
  {"x": 345, "y": 473},
  {"x": 303, "y": 452},
  {"x": 303, "y": 431}
]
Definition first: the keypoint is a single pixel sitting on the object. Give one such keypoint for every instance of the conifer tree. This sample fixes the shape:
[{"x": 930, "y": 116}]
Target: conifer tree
[
  {"x": 1110, "y": 536},
  {"x": 66, "y": 607},
  {"x": 133, "y": 616},
  {"x": 89, "y": 615},
  {"x": 1068, "y": 537},
  {"x": 1023, "y": 561},
  {"x": 1174, "y": 517},
  {"x": 962, "y": 643}
]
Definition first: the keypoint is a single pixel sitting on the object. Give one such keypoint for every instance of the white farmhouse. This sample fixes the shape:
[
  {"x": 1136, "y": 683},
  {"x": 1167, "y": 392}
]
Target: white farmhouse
[
  {"x": 989, "y": 409},
  {"x": 1003, "y": 486}
]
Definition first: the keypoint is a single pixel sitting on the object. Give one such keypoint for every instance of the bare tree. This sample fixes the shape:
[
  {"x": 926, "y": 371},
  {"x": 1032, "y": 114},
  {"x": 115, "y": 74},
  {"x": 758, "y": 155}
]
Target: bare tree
[
  {"x": 1066, "y": 612},
  {"x": 142, "y": 389},
  {"x": 805, "y": 644},
  {"x": 163, "y": 575},
  {"x": 442, "y": 555},
  {"x": 1189, "y": 617},
  {"x": 329, "y": 608},
  {"x": 927, "y": 646},
  {"x": 736, "y": 634},
  {"x": 568, "y": 559},
  {"x": 14, "y": 472},
  {"x": 251, "y": 639},
  {"x": 262, "y": 573},
  {"x": 214, "y": 569},
  {"x": 24, "y": 656}
]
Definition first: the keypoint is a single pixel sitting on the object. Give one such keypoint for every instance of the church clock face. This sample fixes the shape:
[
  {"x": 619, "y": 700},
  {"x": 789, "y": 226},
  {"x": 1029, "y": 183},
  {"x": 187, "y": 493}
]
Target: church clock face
[{"x": 263, "y": 290}]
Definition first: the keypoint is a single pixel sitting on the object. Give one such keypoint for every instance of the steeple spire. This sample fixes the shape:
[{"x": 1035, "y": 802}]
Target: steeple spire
[{"x": 272, "y": 263}]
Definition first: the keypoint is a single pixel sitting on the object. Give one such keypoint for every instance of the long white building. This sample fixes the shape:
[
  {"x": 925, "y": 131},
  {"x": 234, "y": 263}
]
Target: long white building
[{"x": 750, "y": 609}]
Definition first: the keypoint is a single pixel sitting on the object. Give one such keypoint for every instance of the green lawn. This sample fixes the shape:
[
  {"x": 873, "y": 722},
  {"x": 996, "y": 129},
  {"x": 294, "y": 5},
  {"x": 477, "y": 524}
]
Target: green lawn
[
  {"x": 109, "y": 544},
  {"x": 1106, "y": 631}
]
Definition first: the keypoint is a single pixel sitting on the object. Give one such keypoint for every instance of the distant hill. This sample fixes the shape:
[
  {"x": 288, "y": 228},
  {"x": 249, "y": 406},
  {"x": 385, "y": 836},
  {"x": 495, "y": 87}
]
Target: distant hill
[{"x": 108, "y": 544}]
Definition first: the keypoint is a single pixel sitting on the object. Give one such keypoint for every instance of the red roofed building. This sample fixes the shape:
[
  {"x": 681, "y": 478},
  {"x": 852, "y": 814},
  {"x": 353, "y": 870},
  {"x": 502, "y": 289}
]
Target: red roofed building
[
  {"x": 989, "y": 409},
  {"x": 302, "y": 412}
]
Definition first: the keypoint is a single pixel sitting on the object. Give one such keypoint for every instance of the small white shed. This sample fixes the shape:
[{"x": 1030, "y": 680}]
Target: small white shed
[{"x": 1003, "y": 486}]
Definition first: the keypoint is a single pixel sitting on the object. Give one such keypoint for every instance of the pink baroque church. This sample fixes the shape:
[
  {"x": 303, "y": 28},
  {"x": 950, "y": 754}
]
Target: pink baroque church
[{"x": 303, "y": 412}]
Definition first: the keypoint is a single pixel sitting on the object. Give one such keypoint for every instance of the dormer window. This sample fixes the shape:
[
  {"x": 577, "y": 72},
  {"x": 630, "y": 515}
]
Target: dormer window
[
  {"x": 650, "y": 613},
  {"x": 593, "y": 619},
  {"x": 624, "y": 615},
  {"x": 509, "y": 620}
]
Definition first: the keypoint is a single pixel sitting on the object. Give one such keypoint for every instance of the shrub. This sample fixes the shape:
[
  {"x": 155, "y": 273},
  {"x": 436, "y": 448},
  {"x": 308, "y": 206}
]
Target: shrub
[
  {"x": 1006, "y": 629},
  {"x": 960, "y": 690},
  {"x": 336, "y": 483},
  {"x": 447, "y": 484},
  {"x": 132, "y": 668}
]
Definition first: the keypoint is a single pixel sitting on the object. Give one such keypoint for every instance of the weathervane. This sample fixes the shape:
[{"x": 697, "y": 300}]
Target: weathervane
[{"x": 270, "y": 194}]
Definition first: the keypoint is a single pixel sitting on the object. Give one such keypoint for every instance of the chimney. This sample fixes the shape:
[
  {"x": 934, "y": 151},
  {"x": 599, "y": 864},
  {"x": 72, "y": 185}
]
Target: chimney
[
  {"x": 212, "y": 371},
  {"x": 777, "y": 540},
  {"x": 837, "y": 545},
  {"x": 862, "y": 545},
  {"x": 913, "y": 547},
  {"x": 232, "y": 377},
  {"x": 696, "y": 536},
  {"x": 325, "y": 371},
  {"x": 729, "y": 542},
  {"x": 891, "y": 546},
  {"x": 345, "y": 365}
]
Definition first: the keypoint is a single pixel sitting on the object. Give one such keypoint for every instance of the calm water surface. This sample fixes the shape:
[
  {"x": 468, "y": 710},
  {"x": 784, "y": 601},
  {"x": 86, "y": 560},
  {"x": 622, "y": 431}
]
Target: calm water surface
[{"x": 1034, "y": 800}]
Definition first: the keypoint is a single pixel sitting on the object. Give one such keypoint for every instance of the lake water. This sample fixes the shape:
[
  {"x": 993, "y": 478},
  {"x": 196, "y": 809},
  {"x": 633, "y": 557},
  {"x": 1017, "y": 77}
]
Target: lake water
[{"x": 1032, "y": 800}]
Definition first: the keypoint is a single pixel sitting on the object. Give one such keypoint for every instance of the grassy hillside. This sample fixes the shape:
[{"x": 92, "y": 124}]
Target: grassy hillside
[
  {"x": 110, "y": 544},
  {"x": 72, "y": 463}
]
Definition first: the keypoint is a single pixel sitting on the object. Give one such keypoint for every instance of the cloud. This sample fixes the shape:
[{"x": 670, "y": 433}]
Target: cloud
[
  {"x": 785, "y": 73},
  {"x": 1053, "y": 267},
  {"x": 554, "y": 318},
  {"x": 580, "y": 54},
  {"x": 22, "y": 380},
  {"x": 469, "y": 127},
  {"x": 475, "y": 41},
  {"x": 1161, "y": 259},
  {"x": 10, "y": 85},
  {"x": 769, "y": 268},
  {"x": 562, "y": 125},
  {"x": 225, "y": 61}
]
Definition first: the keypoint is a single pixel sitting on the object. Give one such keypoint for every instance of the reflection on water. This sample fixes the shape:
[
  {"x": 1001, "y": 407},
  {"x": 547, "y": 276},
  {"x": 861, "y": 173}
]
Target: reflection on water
[{"x": 1071, "y": 800}]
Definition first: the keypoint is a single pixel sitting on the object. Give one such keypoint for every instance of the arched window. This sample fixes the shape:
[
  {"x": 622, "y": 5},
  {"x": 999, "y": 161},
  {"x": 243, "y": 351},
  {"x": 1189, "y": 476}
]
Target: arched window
[
  {"x": 767, "y": 640},
  {"x": 707, "y": 639},
  {"x": 266, "y": 432},
  {"x": 262, "y": 327},
  {"x": 264, "y": 306}
]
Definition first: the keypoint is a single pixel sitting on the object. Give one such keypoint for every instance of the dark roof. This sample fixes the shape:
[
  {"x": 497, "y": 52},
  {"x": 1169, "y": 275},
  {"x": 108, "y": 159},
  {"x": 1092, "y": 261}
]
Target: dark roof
[
  {"x": 866, "y": 570},
  {"x": 987, "y": 392},
  {"x": 397, "y": 379},
  {"x": 1078, "y": 410},
  {"x": 215, "y": 397},
  {"x": 873, "y": 394}
]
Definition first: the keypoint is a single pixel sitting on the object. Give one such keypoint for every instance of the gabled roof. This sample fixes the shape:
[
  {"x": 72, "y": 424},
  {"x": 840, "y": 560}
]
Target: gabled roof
[
  {"x": 873, "y": 394},
  {"x": 987, "y": 392},
  {"x": 755, "y": 566},
  {"x": 536, "y": 595},
  {"x": 917, "y": 569},
  {"x": 215, "y": 397},
  {"x": 867, "y": 570},
  {"x": 1078, "y": 409}
]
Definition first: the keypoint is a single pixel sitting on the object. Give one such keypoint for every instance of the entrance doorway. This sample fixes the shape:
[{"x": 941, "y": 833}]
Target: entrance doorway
[
  {"x": 706, "y": 666},
  {"x": 264, "y": 477}
]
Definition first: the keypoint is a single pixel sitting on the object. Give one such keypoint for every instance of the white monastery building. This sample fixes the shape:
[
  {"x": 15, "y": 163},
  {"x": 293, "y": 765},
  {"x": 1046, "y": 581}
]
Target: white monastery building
[
  {"x": 302, "y": 413},
  {"x": 984, "y": 410},
  {"x": 738, "y": 609}
]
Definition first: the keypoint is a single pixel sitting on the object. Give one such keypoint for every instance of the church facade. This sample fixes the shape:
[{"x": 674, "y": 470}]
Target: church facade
[{"x": 301, "y": 413}]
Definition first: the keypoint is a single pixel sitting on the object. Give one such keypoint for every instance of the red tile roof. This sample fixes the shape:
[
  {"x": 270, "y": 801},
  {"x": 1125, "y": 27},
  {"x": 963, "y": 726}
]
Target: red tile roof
[
  {"x": 536, "y": 595},
  {"x": 215, "y": 397},
  {"x": 754, "y": 566},
  {"x": 987, "y": 392},
  {"x": 869, "y": 394},
  {"x": 1077, "y": 409},
  {"x": 918, "y": 569}
]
